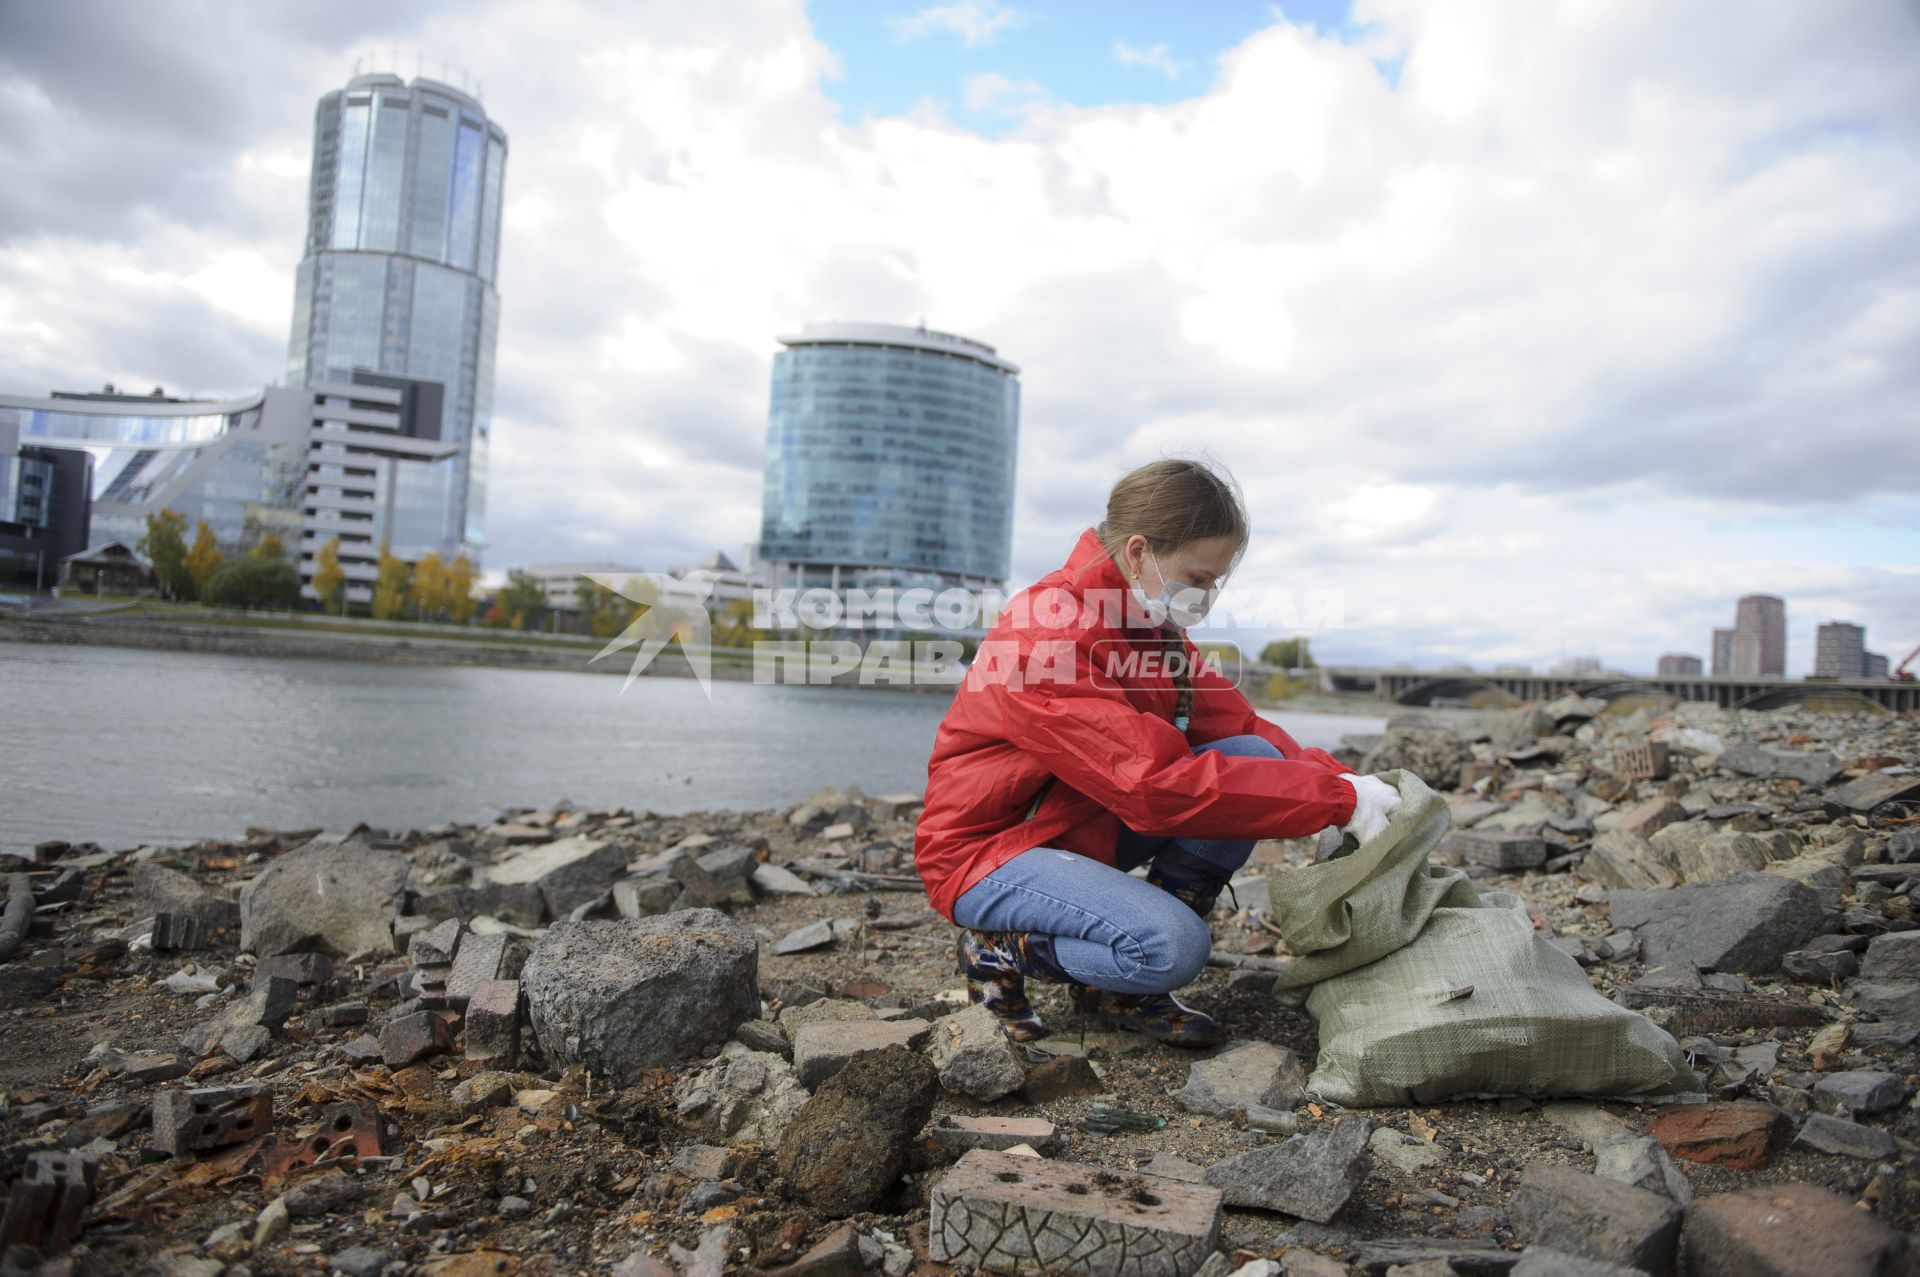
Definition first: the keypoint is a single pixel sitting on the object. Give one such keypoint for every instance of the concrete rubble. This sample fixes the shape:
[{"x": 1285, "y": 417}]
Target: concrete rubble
[{"x": 720, "y": 1042}]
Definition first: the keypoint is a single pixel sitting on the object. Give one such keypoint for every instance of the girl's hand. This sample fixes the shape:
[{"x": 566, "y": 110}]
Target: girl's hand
[{"x": 1374, "y": 801}]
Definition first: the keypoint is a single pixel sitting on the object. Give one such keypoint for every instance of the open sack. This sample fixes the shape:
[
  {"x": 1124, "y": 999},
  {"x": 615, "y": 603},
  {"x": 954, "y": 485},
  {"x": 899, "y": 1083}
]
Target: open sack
[{"x": 1384, "y": 938}]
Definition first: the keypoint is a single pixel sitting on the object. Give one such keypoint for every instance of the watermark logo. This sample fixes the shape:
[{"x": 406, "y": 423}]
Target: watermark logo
[
  {"x": 807, "y": 636},
  {"x": 673, "y": 608}
]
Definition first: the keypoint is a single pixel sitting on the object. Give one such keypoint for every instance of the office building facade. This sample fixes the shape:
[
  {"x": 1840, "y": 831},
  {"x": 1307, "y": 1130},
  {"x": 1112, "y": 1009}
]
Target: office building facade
[
  {"x": 1680, "y": 665},
  {"x": 399, "y": 278},
  {"x": 1760, "y": 637},
  {"x": 1722, "y": 663},
  {"x": 330, "y": 459},
  {"x": 1839, "y": 650},
  {"x": 890, "y": 461}
]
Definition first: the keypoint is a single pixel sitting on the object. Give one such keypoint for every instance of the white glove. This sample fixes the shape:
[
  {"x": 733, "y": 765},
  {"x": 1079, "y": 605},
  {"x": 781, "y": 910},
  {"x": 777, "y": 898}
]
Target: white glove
[{"x": 1374, "y": 801}]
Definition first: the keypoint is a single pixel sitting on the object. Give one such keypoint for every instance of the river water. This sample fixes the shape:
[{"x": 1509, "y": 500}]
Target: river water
[{"x": 122, "y": 746}]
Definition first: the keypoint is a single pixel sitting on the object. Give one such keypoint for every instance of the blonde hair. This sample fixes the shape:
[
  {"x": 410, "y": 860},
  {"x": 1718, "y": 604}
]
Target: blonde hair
[{"x": 1172, "y": 502}]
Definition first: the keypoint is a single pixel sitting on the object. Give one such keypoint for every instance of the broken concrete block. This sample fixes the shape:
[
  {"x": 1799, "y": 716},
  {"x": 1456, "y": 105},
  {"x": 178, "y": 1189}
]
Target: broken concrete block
[
  {"x": 822, "y": 1011},
  {"x": 717, "y": 878},
  {"x": 973, "y": 1055},
  {"x": 1059, "y": 1078},
  {"x": 158, "y": 889},
  {"x": 1646, "y": 819},
  {"x": 1825, "y": 1134},
  {"x": 1244, "y": 1073},
  {"x": 435, "y": 946},
  {"x": 1854, "y": 1091},
  {"x": 336, "y": 898},
  {"x": 815, "y": 935},
  {"x": 244, "y": 1025},
  {"x": 307, "y": 969},
  {"x": 1858, "y": 797},
  {"x": 414, "y": 1037},
  {"x": 778, "y": 880},
  {"x": 1003, "y": 1213},
  {"x": 622, "y": 997},
  {"x": 210, "y": 1117},
  {"x": 1743, "y": 924},
  {"x": 1788, "y": 1230},
  {"x": 476, "y": 961},
  {"x": 848, "y": 1145},
  {"x": 1596, "y": 1218},
  {"x": 820, "y": 1049},
  {"x": 493, "y": 1023},
  {"x": 644, "y": 897},
  {"x": 745, "y": 1097},
  {"x": 180, "y": 933},
  {"x": 1310, "y": 1175},
  {"x": 1812, "y": 767},
  {"x": 1638, "y": 1161},
  {"x": 44, "y": 1209},
  {"x": 1628, "y": 861},
  {"x": 568, "y": 873},
  {"x": 956, "y": 1131},
  {"x": 1500, "y": 848}
]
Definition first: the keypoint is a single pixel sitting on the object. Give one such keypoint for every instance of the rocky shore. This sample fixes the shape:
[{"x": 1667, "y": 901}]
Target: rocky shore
[{"x": 612, "y": 1041}]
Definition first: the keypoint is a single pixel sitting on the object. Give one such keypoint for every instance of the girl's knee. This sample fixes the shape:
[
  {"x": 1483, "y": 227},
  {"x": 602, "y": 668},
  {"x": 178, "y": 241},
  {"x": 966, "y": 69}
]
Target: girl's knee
[{"x": 1174, "y": 951}]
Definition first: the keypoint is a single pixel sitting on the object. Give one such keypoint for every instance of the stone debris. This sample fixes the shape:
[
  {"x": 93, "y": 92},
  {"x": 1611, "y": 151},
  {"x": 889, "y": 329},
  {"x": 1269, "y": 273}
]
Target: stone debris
[
  {"x": 1004, "y": 1213},
  {"x": 1744, "y": 923},
  {"x": 188, "y": 1121},
  {"x": 1001, "y": 1133},
  {"x": 1310, "y": 1175},
  {"x": 847, "y": 1146},
  {"x": 1789, "y": 1230},
  {"x": 1743, "y": 1136},
  {"x": 821, "y": 1049},
  {"x": 973, "y": 1055},
  {"x": 493, "y": 1023},
  {"x": 623, "y": 997},
  {"x": 1596, "y": 1218},
  {"x": 244, "y": 1027},
  {"x": 566, "y": 874},
  {"x": 336, "y": 898},
  {"x": 1242, "y": 1074}
]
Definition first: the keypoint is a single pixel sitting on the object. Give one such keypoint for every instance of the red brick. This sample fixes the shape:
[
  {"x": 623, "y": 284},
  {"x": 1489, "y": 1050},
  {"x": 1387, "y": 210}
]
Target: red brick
[
  {"x": 1789, "y": 1230},
  {"x": 1742, "y": 1136}
]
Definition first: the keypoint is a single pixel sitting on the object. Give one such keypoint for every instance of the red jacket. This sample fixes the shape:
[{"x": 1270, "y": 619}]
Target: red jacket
[{"x": 1041, "y": 703}]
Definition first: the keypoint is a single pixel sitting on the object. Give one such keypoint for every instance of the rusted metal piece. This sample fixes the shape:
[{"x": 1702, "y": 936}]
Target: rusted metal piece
[
  {"x": 211, "y": 1117},
  {"x": 45, "y": 1206},
  {"x": 346, "y": 1133}
]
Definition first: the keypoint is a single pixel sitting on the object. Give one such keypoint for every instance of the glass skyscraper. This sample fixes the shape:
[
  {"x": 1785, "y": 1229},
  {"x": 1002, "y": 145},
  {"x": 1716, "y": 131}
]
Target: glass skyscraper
[
  {"x": 890, "y": 459},
  {"x": 403, "y": 245}
]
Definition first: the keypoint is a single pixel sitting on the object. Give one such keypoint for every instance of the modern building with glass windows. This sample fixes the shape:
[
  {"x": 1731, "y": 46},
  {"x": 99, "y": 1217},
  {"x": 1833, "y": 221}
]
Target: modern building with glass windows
[
  {"x": 331, "y": 459},
  {"x": 890, "y": 460},
  {"x": 399, "y": 277}
]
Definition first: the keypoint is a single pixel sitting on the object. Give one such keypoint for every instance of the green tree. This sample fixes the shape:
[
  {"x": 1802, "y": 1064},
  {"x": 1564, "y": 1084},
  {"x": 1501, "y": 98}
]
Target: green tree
[
  {"x": 252, "y": 582},
  {"x": 524, "y": 598},
  {"x": 460, "y": 590},
  {"x": 390, "y": 589},
  {"x": 329, "y": 580},
  {"x": 165, "y": 545},
  {"x": 205, "y": 558},
  {"x": 1288, "y": 654}
]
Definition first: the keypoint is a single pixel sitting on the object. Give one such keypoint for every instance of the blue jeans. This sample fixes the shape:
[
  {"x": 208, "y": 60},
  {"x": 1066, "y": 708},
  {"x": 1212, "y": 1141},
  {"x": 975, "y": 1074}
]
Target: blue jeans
[{"x": 1111, "y": 930}]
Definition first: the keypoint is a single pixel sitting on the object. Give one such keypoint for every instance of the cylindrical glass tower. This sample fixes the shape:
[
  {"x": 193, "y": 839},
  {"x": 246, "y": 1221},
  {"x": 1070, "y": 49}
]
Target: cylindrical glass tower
[
  {"x": 890, "y": 458},
  {"x": 403, "y": 244}
]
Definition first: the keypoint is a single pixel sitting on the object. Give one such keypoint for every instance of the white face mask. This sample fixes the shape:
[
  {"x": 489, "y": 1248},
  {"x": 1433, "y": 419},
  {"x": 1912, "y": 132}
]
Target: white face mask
[{"x": 1185, "y": 607}]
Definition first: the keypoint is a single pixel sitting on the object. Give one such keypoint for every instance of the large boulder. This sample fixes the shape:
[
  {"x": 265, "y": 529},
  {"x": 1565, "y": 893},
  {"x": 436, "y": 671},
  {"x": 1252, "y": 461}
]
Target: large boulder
[
  {"x": 847, "y": 1146},
  {"x": 336, "y": 898},
  {"x": 625, "y": 996},
  {"x": 1743, "y": 923},
  {"x": 1434, "y": 754}
]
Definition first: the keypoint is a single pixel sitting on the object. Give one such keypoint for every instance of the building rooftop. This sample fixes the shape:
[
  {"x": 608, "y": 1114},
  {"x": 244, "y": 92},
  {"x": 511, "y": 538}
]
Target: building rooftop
[{"x": 836, "y": 333}]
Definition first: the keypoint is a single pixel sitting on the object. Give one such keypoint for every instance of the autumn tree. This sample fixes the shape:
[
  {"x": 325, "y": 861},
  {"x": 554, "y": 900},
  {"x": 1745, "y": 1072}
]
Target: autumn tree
[
  {"x": 165, "y": 545},
  {"x": 269, "y": 546},
  {"x": 428, "y": 593},
  {"x": 329, "y": 580},
  {"x": 391, "y": 588},
  {"x": 460, "y": 590},
  {"x": 1288, "y": 654},
  {"x": 524, "y": 598},
  {"x": 205, "y": 558}
]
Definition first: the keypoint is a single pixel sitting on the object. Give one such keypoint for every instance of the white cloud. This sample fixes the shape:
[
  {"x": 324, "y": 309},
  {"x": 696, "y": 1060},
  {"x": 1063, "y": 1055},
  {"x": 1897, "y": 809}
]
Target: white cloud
[
  {"x": 1154, "y": 57},
  {"x": 976, "y": 22},
  {"x": 1601, "y": 318}
]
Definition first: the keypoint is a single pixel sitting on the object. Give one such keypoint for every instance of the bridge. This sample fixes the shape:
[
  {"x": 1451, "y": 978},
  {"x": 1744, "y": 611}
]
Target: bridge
[{"x": 1422, "y": 687}]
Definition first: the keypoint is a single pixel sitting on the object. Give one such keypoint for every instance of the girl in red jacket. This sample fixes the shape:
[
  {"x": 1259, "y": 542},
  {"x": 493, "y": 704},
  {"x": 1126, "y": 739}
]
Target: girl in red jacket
[{"x": 1088, "y": 739}]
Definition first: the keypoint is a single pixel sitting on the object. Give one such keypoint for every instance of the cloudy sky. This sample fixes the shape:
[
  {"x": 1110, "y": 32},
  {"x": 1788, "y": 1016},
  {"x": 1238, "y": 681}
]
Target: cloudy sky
[{"x": 1541, "y": 328}]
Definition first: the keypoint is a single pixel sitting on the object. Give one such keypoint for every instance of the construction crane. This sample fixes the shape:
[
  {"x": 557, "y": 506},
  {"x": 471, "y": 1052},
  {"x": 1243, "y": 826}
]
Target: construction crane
[{"x": 1901, "y": 672}]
